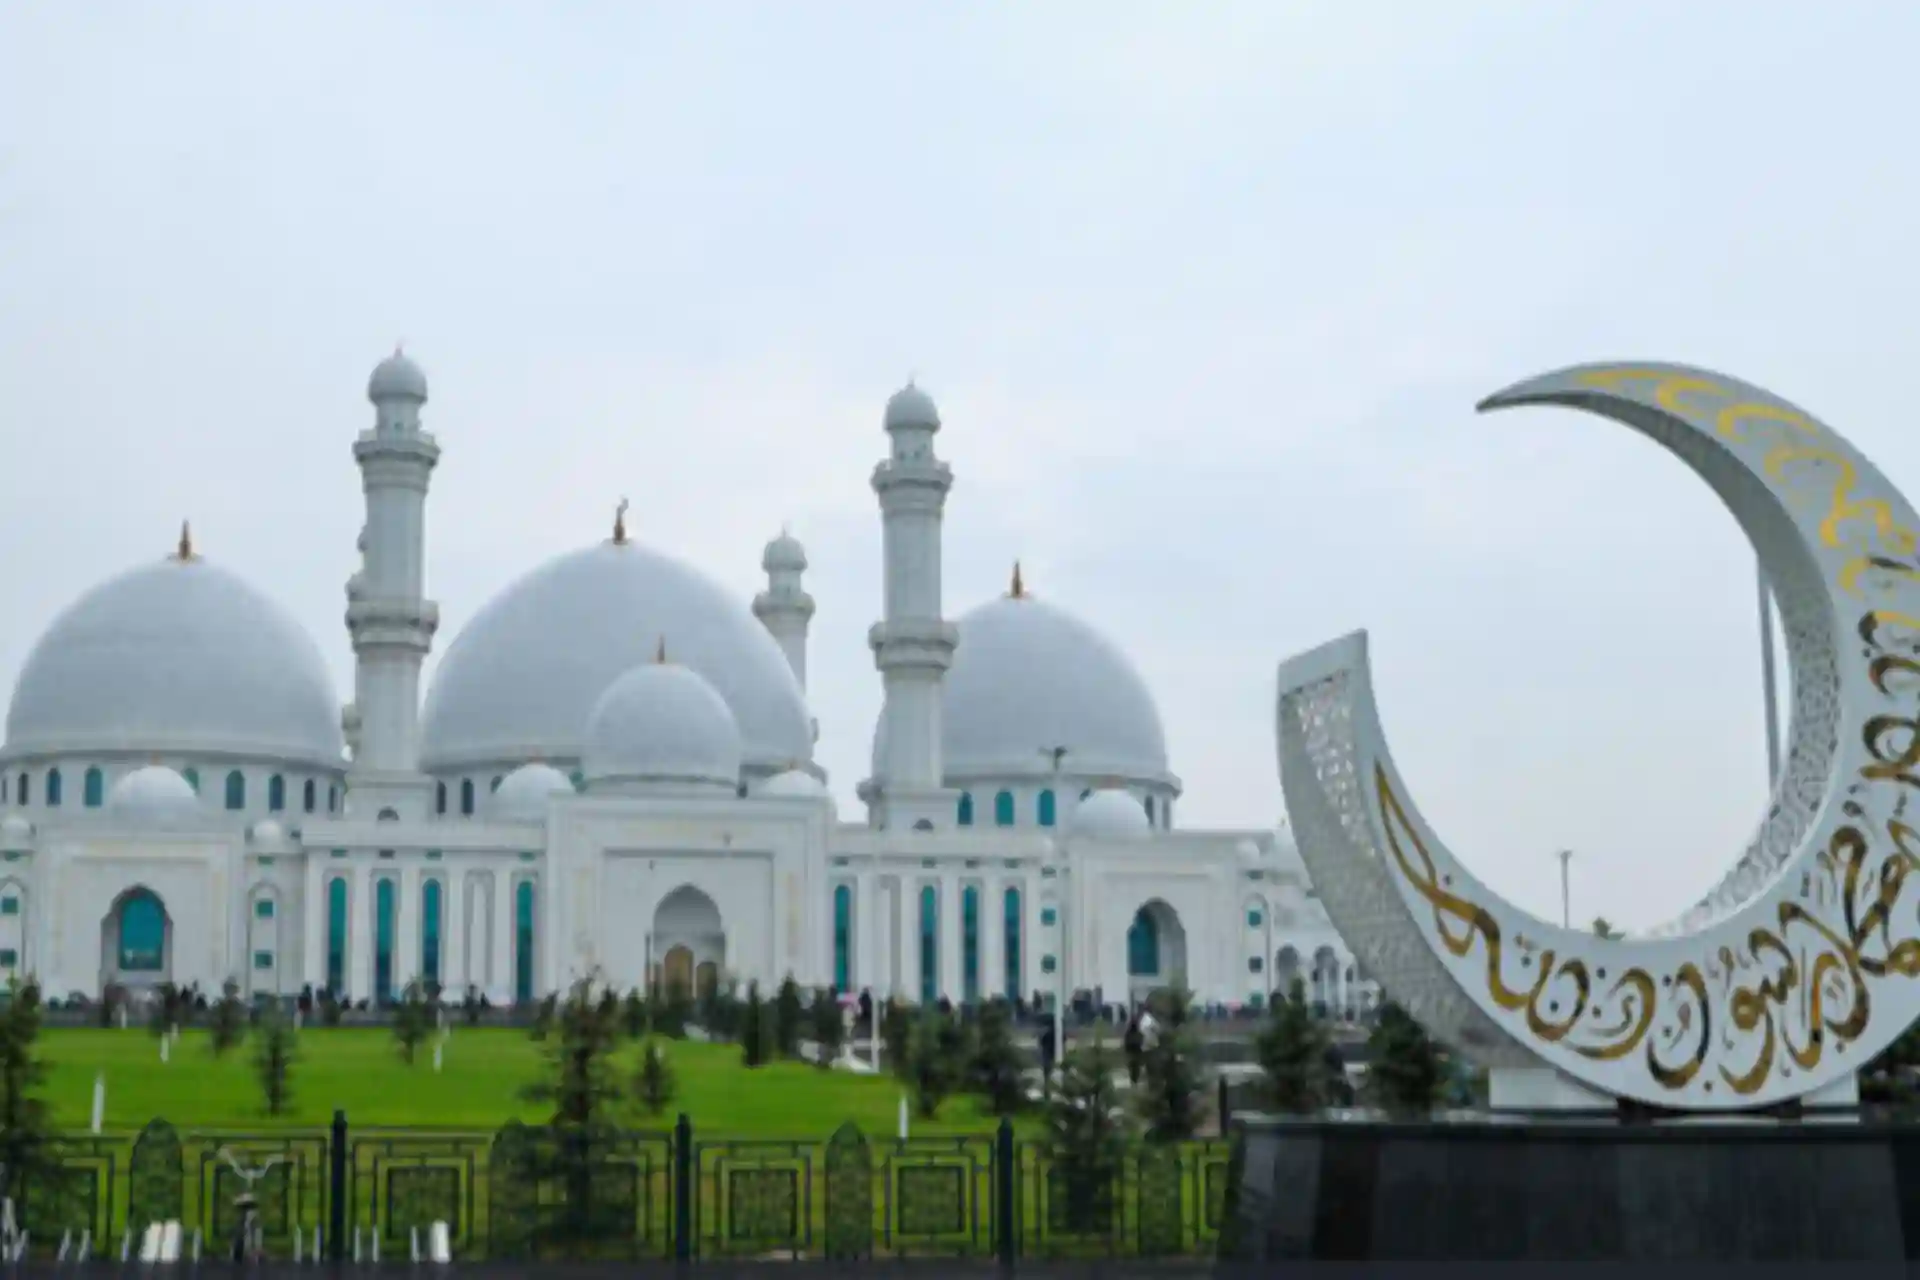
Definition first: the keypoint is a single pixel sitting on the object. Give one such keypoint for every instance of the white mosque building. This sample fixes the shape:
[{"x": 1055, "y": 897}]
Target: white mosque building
[{"x": 613, "y": 771}]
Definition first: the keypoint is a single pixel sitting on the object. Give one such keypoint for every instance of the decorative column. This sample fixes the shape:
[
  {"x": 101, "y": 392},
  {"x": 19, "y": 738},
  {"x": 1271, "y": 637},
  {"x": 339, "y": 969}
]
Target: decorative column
[
  {"x": 907, "y": 914},
  {"x": 952, "y": 979},
  {"x": 453, "y": 927},
  {"x": 993, "y": 938},
  {"x": 865, "y": 938},
  {"x": 500, "y": 969},
  {"x": 360, "y": 932},
  {"x": 313, "y": 925},
  {"x": 406, "y": 932}
]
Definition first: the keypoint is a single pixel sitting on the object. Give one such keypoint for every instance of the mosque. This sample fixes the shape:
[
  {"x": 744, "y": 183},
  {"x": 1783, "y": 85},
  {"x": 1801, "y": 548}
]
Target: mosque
[{"x": 613, "y": 770}]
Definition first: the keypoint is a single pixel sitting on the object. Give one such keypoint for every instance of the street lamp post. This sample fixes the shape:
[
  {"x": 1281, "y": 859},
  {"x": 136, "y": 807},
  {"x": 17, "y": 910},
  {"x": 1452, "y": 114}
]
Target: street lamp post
[{"x": 1061, "y": 868}]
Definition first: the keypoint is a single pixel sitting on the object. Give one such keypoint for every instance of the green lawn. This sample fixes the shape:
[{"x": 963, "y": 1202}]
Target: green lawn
[{"x": 478, "y": 1087}]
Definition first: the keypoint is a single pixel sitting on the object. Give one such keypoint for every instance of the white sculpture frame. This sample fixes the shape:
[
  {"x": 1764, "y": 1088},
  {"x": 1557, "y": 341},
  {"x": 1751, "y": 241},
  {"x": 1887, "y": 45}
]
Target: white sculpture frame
[{"x": 1800, "y": 965}]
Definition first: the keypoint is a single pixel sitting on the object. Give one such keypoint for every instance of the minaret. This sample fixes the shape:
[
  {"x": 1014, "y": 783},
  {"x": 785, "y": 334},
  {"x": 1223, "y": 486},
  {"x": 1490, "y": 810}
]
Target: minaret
[
  {"x": 388, "y": 615},
  {"x": 784, "y": 607},
  {"x": 913, "y": 644}
]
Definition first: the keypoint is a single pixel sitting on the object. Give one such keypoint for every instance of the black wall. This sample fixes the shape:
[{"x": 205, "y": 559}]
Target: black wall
[{"x": 1806, "y": 1191}]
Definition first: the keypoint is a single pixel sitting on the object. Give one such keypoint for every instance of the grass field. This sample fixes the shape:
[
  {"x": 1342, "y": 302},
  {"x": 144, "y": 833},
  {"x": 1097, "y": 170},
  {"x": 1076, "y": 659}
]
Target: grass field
[{"x": 478, "y": 1087}]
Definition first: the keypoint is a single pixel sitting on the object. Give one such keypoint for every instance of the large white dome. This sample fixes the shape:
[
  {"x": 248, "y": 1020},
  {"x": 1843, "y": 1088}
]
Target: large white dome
[
  {"x": 177, "y": 657},
  {"x": 520, "y": 681},
  {"x": 662, "y": 723},
  {"x": 1027, "y": 677}
]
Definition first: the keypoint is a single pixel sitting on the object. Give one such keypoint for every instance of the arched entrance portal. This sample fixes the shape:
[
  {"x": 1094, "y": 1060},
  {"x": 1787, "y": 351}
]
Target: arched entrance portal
[
  {"x": 689, "y": 938},
  {"x": 1156, "y": 950},
  {"x": 136, "y": 941}
]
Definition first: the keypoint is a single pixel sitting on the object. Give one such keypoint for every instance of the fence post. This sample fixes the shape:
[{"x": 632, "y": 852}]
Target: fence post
[
  {"x": 683, "y": 1189},
  {"x": 1006, "y": 1197},
  {"x": 337, "y": 1206},
  {"x": 1226, "y": 1107}
]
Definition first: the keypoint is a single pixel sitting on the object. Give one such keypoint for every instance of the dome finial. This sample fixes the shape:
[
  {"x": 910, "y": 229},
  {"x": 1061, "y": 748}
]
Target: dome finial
[
  {"x": 620, "y": 524},
  {"x": 1018, "y": 591},
  {"x": 184, "y": 551}
]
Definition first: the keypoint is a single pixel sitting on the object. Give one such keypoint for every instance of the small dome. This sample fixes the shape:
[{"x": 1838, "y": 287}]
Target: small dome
[
  {"x": 912, "y": 407},
  {"x": 153, "y": 794},
  {"x": 268, "y": 832},
  {"x": 784, "y": 552},
  {"x": 662, "y": 723},
  {"x": 796, "y": 784},
  {"x": 15, "y": 833},
  {"x": 397, "y": 378},
  {"x": 1248, "y": 850},
  {"x": 524, "y": 794},
  {"x": 177, "y": 658},
  {"x": 1111, "y": 814}
]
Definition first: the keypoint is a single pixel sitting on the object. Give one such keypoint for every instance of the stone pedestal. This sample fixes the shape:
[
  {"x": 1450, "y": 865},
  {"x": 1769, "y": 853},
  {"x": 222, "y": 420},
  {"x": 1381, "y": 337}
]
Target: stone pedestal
[{"x": 1561, "y": 1191}]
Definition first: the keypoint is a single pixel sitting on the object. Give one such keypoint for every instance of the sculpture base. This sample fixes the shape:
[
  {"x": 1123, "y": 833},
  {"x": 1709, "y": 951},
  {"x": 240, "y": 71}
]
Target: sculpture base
[{"x": 1565, "y": 1191}]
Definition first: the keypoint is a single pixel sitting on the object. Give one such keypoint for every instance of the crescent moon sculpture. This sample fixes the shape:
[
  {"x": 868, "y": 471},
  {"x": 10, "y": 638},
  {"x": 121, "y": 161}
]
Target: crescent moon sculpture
[{"x": 1800, "y": 965}]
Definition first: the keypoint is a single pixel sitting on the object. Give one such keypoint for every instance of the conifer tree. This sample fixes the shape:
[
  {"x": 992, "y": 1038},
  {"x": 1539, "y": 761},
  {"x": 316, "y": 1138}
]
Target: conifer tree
[
  {"x": 931, "y": 1068},
  {"x": 655, "y": 1085},
  {"x": 754, "y": 1031},
  {"x": 275, "y": 1051},
  {"x": 1405, "y": 1066},
  {"x": 789, "y": 1017},
  {"x": 1292, "y": 1051},
  {"x": 829, "y": 1024},
  {"x": 583, "y": 1090},
  {"x": 1086, "y": 1137},
  {"x": 996, "y": 1071},
  {"x": 227, "y": 1023},
  {"x": 413, "y": 1021},
  {"x": 26, "y": 1129},
  {"x": 1172, "y": 1092}
]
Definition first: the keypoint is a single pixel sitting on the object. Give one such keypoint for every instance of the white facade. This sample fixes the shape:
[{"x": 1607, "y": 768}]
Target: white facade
[{"x": 613, "y": 770}]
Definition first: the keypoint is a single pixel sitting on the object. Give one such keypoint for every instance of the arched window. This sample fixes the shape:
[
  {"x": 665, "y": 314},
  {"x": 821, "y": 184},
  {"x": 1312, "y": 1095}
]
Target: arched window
[
  {"x": 929, "y": 945},
  {"x": 276, "y": 794},
  {"x": 383, "y": 922},
  {"x": 1143, "y": 946},
  {"x": 430, "y": 932},
  {"x": 309, "y": 794},
  {"x": 1013, "y": 944},
  {"x": 337, "y": 935},
  {"x": 143, "y": 933},
  {"x": 192, "y": 775},
  {"x": 236, "y": 790},
  {"x": 970, "y": 944},
  {"x": 1149, "y": 810},
  {"x": 439, "y": 797},
  {"x": 1046, "y": 812},
  {"x": 466, "y": 797},
  {"x": 523, "y": 942},
  {"x": 53, "y": 788},
  {"x": 578, "y": 779},
  {"x": 1003, "y": 809},
  {"x": 93, "y": 788},
  {"x": 966, "y": 809},
  {"x": 25, "y": 790},
  {"x": 842, "y": 939}
]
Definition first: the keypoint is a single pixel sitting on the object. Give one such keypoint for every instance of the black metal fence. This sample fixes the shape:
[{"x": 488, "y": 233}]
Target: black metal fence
[{"x": 526, "y": 1192}]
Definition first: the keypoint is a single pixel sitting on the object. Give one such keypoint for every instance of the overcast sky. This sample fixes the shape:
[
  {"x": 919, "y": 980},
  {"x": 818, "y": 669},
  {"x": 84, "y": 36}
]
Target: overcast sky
[{"x": 1206, "y": 292}]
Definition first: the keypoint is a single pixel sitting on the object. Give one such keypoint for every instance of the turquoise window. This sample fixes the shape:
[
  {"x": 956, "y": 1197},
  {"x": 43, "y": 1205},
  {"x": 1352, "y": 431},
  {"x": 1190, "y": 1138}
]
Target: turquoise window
[
  {"x": 9, "y": 906},
  {"x": 264, "y": 908},
  {"x": 1048, "y": 916},
  {"x": 333, "y": 798},
  {"x": 93, "y": 789},
  {"x": 9, "y": 958},
  {"x": 309, "y": 795},
  {"x": 439, "y": 797},
  {"x": 970, "y": 944},
  {"x": 276, "y": 794},
  {"x": 1046, "y": 964},
  {"x": 1253, "y": 919},
  {"x": 842, "y": 939},
  {"x": 1254, "y": 964},
  {"x": 495, "y": 784},
  {"x": 466, "y": 796},
  {"x": 236, "y": 790},
  {"x": 578, "y": 779},
  {"x": 337, "y": 935},
  {"x": 26, "y": 789},
  {"x": 1046, "y": 808},
  {"x": 53, "y": 788},
  {"x": 383, "y": 922},
  {"x": 523, "y": 942},
  {"x": 1143, "y": 946},
  {"x": 143, "y": 933},
  {"x": 1003, "y": 809},
  {"x": 430, "y": 931},
  {"x": 929, "y": 945},
  {"x": 1013, "y": 944},
  {"x": 1149, "y": 810},
  {"x": 192, "y": 775},
  {"x": 263, "y": 959},
  {"x": 966, "y": 809}
]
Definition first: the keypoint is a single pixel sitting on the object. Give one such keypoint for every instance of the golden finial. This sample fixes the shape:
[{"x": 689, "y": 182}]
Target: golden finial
[
  {"x": 184, "y": 552},
  {"x": 660, "y": 654},
  {"x": 1018, "y": 590},
  {"x": 620, "y": 524}
]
